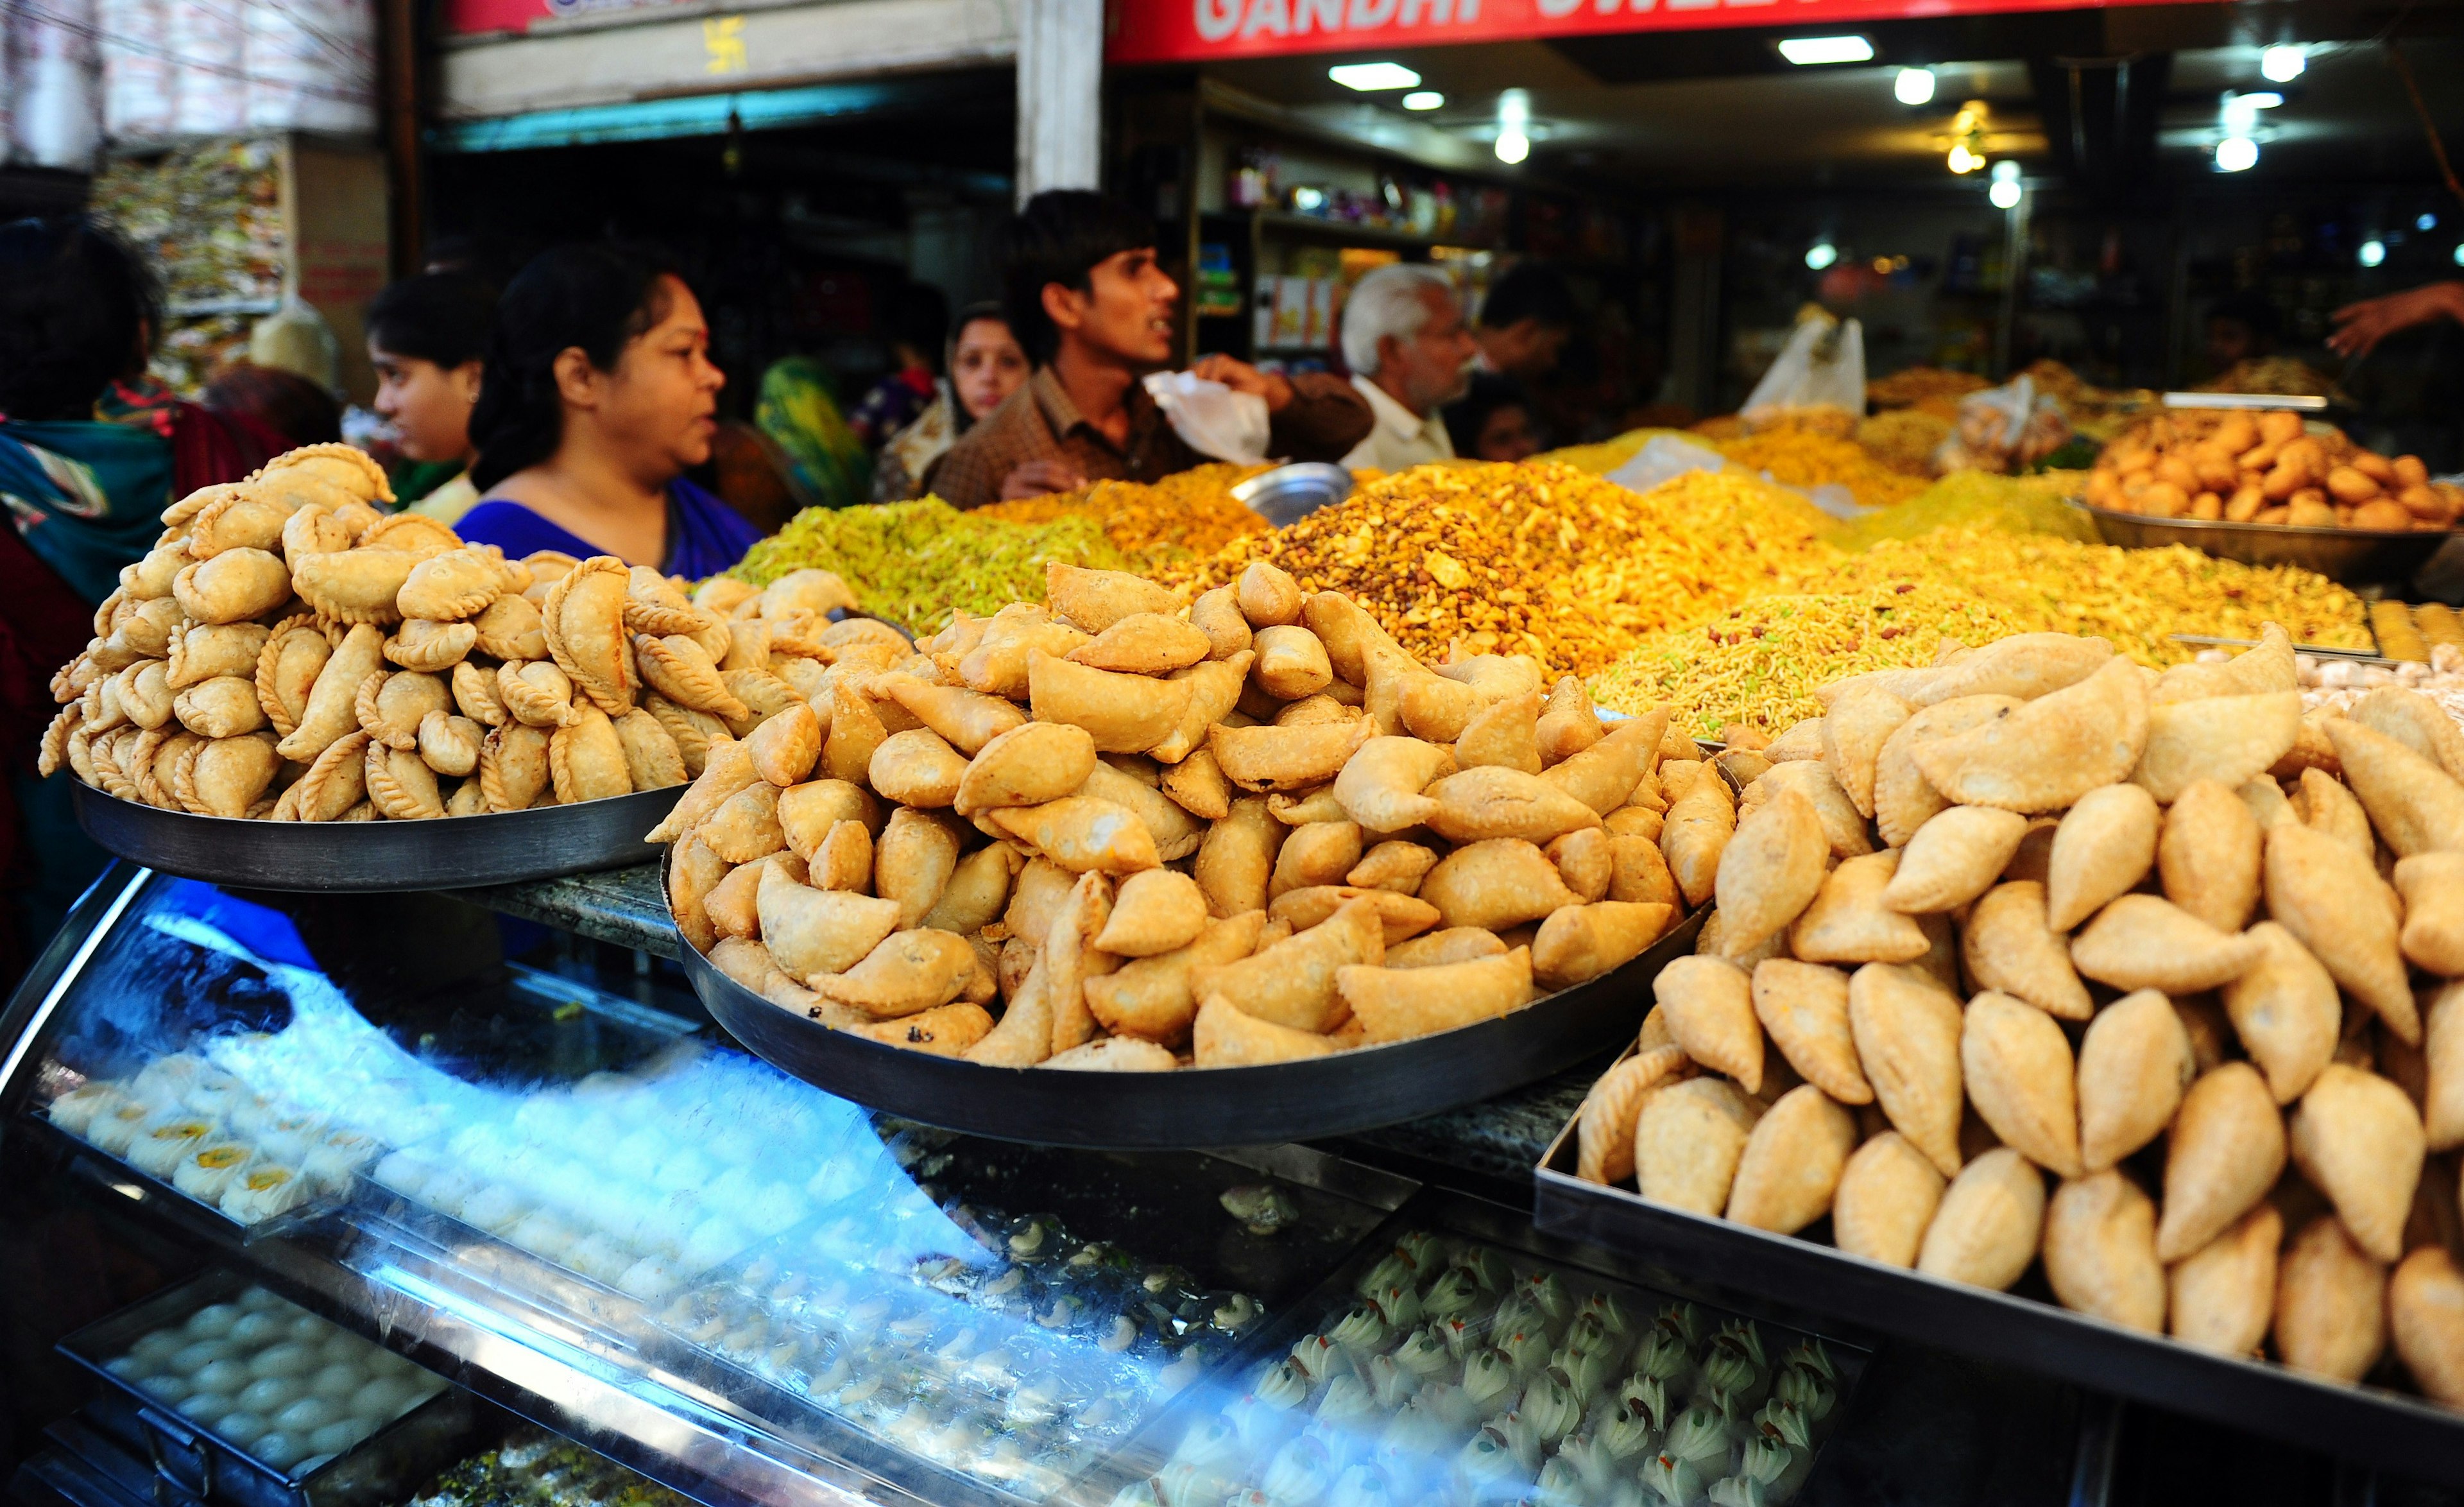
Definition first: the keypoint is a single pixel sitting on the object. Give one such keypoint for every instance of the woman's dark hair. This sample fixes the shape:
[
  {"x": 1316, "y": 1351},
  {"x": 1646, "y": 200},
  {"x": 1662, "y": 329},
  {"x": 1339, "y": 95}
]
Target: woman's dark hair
[
  {"x": 1528, "y": 291},
  {"x": 919, "y": 317},
  {"x": 78, "y": 308},
  {"x": 285, "y": 402},
  {"x": 1058, "y": 237},
  {"x": 596, "y": 296},
  {"x": 442, "y": 317}
]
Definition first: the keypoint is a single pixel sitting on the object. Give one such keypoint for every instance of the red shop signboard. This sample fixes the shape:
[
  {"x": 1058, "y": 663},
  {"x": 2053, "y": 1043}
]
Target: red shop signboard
[{"x": 1198, "y": 31}]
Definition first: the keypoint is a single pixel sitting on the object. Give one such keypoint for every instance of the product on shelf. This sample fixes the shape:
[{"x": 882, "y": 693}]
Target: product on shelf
[
  {"x": 916, "y": 563},
  {"x": 1458, "y": 1374},
  {"x": 2124, "y": 928},
  {"x": 1538, "y": 558},
  {"x": 1190, "y": 512},
  {"x": 2284, "y": 376},
  {"x": 536, "y": 1469},
  {"x": 998, "y": 1345},
  {"x": 2412, "y": 632},
  {"x": 290, "y": 652},
  {"x": 275, "y": 1381},
  {"x": 2264, "y": 468},
  {"x": 989, "y": 818},
  {"x": 2097, "y": 412},
  {"x": 1930, "y": 389},
  {"x": 1982, "y": 502}
]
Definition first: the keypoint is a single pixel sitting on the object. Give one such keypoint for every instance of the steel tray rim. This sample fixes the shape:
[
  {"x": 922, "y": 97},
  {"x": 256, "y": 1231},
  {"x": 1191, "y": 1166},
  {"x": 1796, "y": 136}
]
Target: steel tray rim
[
  {"x": 1342, "y": 1094},
  {"x": 452, "y": 852},
  {"x": 2411, "y": 1435},
  {"x": 2349, "y": 555}
]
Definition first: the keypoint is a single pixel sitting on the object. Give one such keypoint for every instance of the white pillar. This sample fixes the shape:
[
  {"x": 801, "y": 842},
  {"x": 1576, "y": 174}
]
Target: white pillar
[{"x": 1060, "y": 95}]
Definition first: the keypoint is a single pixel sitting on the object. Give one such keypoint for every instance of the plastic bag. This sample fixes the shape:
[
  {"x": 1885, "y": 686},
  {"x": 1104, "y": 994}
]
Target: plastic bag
[
  {"x": 1663, "y": 457},
  {"x": 1821, "y": 366},
  {"x": 2004, "y": 430},
  {"x": 1211, "y": 418}
]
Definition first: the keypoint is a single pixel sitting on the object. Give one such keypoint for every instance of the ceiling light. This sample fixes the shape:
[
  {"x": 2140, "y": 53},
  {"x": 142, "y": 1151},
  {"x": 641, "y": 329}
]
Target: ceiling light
[
  {"x": 2236, "y": 154},
  {"x": 1822, "y": 254},
  {"x": 1913, "y": 86},
  {"x": 1368, "y": 77},
  {"x": 2425, "y": 222},
  {"x": 1513, "y": 108},
  {"x": 2003, "y": 194},
  {"x": 1962, "y": 160},
  {"x": 1512, "y": 146},
  {"x": 2460, "y": 254},
  {"x": 2282, "y": 64},
  {"x": 1805, "y": 50},
  {"x": 2262, "y": 99},
  {"x": 2005, "y": 172},
  {"x": 2373, "y": 253},
  {"x": 1424, "y": 99}
]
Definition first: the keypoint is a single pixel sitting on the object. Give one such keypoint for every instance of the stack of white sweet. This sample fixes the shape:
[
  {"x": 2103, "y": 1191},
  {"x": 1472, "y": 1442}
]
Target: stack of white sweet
[
  {"x": 272, "y": 1378},
  {"x": 638, "y": 1183},
  {"x": 2339, "y": 685},
  {"x": 1456, "y": 1379},
  {"x": 212, "y": 1135}
]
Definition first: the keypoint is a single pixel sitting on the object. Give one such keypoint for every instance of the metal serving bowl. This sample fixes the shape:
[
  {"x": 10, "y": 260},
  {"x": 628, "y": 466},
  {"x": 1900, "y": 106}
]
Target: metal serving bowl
[
  {"x": 1289, "y": 494},
  {"x": 2353, "y": 556}
]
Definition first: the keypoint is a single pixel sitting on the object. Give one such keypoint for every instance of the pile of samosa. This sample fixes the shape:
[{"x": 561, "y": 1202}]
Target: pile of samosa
[
  {"x": 1115, "y": 832},
  {"x": 2143, "y": 975}
]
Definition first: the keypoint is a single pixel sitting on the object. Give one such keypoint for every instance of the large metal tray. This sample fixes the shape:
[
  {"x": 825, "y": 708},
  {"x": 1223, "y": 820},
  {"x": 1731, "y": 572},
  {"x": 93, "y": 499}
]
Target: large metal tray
[
  {"x": 2353, "y": 556},
  {"x": 502, "y": 848},
  {"x": 1332, "y": 1096},
  {"x": 2388, "y": 1430}
]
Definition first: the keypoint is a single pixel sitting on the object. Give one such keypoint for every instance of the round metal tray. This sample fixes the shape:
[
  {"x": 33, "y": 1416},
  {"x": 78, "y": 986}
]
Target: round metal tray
[
  {"x": 442, "y": 854},
  {"x": 1334, "y": 1096},
  {"x": 2353, "y": 556},
  {"x": 1287, "y": 494}
]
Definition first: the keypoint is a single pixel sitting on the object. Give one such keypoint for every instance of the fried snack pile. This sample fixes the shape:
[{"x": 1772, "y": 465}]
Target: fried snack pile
[
  {"x": 2262, "y": 468},
  {"x": 1802, "y": 458},
  {"x": 1904, "y": 439},
  {"x": 1759, "y": 664},
  {"x": 1538, "y": 558},
  {"x": 2038, "y": 910},
  {"x": 1190, "y": 512},
  {"x": 1930, "y": 389},
  {"x": 1983, "y": 501},
  {"x": 1252, "y": 830},
  {"x": 290, "y": 652},
  {"x": 2285, "y": 376},
  {"x": 917, "y": 563}
]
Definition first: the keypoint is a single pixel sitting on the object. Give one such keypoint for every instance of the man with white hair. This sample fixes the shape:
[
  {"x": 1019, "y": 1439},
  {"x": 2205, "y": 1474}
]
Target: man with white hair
[{"x": 1410, "y": 355}]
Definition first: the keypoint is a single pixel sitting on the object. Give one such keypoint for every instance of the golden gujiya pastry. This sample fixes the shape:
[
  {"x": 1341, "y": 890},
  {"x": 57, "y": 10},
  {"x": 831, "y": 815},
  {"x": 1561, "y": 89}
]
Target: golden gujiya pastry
[
  {"x": 2222, "y": 1295},
  {"x": 2442, "y": 1050},
  {"x": 1789, "y": 1169},
  {"x": 2141, "y": 942},
  {"x": 1696, "y": 832},
  {"x": 2432, "y": 887},
  {"x": 2104, "y": 846},
  {"x": 2018, "y": 1068},
  {"x": 1986, "y": 1229},
  {"x": 1902, "y": 799},
  {"x": 1399, "y": 1004},
  {"x": 1579, "y": 943},
  {"x": 2333, "y": 902},
  {"x": 1887, "y": 1194},
  {"x": 2100, "y": 1251},
  {"x": 2007, "y": 945},
  {"x": 2208, "y": 855},
  {"x": 2426, "y": 1315},
  {"x": 2359, "y": 1139},
  {"x": 1604, "y": 1137},
  {"x": 2285, "y": 1013},
  {"x": 1495, "y": 885},
  {"x": 1708, "y": 1005},
  {"x": 2330, "y": 1303},
  {"x": 1854, "y": 730},
  {"x": 1849, "y": 921},
  {"x": 2226, "y": 1150},
  {"x": 1769, "y": 871},
  {"x": 2228, "y": 738},
  {"x": 1954, "y": 858},
  {"x": 1688, "y": 1141},
  {"x": 2415, "y": 805},
  {"x": 1804, "y": 1006},
  {"x": 1843, "y": 827},
  {"x": 2046, "y": 754},
  {"x": 2134, "y": 1065},
  {"x": 1906, "y": 1028}
]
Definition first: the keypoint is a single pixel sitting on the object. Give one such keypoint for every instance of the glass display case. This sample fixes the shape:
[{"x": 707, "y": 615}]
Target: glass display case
[{"x": 354, "y": 1201}]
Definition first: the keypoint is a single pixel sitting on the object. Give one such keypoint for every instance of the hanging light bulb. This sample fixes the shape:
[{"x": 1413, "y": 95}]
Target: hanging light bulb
[
  {"x": 2236, "y": 154},
  {"x": 1822, "y": 254},
  {"x": 2003, "y": 194},
  {"x": 1512, "y": 146},
  {"x": 2373, "y": 253},
  {"x": 2282, "y": 64},
  {"x": 1964, "y": 161},
  {"x": 1913, "y": 86}
]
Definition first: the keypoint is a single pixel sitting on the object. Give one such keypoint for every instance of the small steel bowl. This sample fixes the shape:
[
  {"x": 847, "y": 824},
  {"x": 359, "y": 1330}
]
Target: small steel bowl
[
  {"x": 2353, "y": 556},
  {"x": 1289, "y": 494}
]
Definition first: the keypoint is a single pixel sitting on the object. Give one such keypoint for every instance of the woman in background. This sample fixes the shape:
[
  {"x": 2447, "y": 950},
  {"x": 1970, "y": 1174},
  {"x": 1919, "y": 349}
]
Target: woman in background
[
  {"x": 1493, "y": 421},
  {"x": 427, "y": 339},
  {"x": 598, "y": 394},
  {"x": 986, "y": 365}
]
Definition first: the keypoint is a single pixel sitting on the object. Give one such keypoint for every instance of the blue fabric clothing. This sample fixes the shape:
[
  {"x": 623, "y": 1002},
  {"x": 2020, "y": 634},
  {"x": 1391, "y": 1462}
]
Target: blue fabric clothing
[
  {"x": 705, "y": 536},
  {"x": 88, "y": 497}
]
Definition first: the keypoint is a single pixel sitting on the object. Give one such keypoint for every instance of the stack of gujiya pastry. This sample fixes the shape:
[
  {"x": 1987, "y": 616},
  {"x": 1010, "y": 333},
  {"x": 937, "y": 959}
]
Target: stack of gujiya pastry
[
  {"x": 2038, "y": 913},
  {"x": 290, "y": 651},
  {"x": 1247, "y": 829}
]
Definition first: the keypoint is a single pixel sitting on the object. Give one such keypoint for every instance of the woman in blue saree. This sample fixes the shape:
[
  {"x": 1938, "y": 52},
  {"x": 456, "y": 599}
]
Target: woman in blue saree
[{"x": 598, "y": 394}]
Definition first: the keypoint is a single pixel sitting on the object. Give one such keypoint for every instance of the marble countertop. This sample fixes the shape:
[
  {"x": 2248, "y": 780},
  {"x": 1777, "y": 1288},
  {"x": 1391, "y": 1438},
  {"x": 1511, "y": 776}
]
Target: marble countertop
[{"x": 1502, "y": 1137}]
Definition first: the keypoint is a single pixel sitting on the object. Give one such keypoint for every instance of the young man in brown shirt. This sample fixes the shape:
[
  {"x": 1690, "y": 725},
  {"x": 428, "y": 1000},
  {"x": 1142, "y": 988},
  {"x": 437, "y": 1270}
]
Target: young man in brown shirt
[{"x": 1096, "y": 313}]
